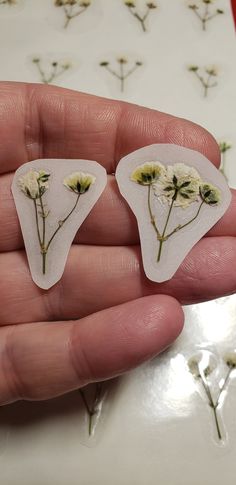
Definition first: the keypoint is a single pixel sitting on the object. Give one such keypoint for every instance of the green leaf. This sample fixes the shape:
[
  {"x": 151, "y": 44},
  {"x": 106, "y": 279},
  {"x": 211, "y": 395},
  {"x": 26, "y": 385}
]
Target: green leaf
[{"x": 185, "y": 184}]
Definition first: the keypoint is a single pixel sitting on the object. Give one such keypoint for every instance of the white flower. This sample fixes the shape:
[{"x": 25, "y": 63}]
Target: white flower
[
  {"x": 212, "y": 70},
  {"x": 34, "y": 184},
  {"x": 203, "y": 362},
  {"x": 179, "y": 184},
  {"x": 210, "y": 194},
  {"x": 79, "y": 182},
  {"x": 147, "y": 173}
]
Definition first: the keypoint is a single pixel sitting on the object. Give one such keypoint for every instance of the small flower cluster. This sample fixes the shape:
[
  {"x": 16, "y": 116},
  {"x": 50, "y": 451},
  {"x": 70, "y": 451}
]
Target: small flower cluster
[
  {"x": 205, "y": 14},
  {"x": 201, "y": 366},
  {"x": 79, "y": 182},
  {"x": 71, "y": 3},
  {"x": 34, "y": 185},
  {"x": 72, "y": 8},
  {"x": 205, "y": 75},
  {"x": 224, "y": 146},
  {"x": 131, "y": 4},
  {"x": 137, "y": 15},
  {"x": 53, "y": 70},
  {"x": 122, "y": 72},
  {"x": 179, "y": 185},
  {"x": 176, "y": 183}
]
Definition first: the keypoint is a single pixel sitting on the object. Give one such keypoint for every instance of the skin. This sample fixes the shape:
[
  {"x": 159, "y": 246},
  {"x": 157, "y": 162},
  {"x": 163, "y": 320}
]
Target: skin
[{"x": 56, "y": 341}]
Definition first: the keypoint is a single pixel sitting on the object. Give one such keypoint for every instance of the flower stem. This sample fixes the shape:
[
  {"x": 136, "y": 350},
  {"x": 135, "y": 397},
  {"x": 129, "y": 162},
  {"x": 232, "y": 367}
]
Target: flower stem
[
  {"x": 122, "y": 77},
  {"x": 44, "y": 255},
  {"x": 41, "y": 241},
  {"x": 223, "y": 386},
  {"x": 139, "y": 18},
  {"x": 187, "y": 223},
  {"x": 152, "y": 218},
  {"x": 162, "y": 239},
  {"x": 60, "y": 223},
  {"x": 211, "y": 403},
  {"x": 37, "y": 222},
  {"x": 217, "y": 423},
  {"x": 91, "y": 411},
  {"x": 70, "y": 15}
]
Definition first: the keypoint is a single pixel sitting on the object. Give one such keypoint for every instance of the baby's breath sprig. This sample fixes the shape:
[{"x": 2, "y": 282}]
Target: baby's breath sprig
[
  {"x": 177, "y": 185},
  {"x": 34, "y": 184},
  {"x": 132, "y": 7},
  {"x": 201, "y": 367},
  {"x": 72, "y": 8},
  {"x": 205, "y": 76},
  {"x": 122, "y": 74},
  {"x": 204, "y": 11},
  {"x": 92, "y": 408},
  {"x": 224, "y": 146},
  {"x": 53, "y": 71}
]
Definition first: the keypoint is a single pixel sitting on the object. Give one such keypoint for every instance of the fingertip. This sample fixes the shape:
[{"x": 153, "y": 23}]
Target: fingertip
[{"x": 191, "y": 135}]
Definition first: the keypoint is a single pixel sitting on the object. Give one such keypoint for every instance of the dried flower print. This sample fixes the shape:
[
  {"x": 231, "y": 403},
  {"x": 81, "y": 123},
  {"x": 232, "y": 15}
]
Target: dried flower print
[
  {"x": 175, "y": 185},
  {"x": 143, "y": 15},
  {"x": 79, "y": 182},
  {"x": 207, "y": 77},
  {"x": 34, "y": 184},
  {"x": 92, "y": 406},
  {"x": 179, "y": 184},
  {"x": 202, "y": 366},
  {"x": 148, "y": 173},
  {"x": 72, "y": 8},
  {"x": 224, "y": 146},
  {"x": 49, "y": 71},
  {"x": 209, "y": 194},
  {"x": 123, "y": 71},
  {"x": 205, "y": 11}
]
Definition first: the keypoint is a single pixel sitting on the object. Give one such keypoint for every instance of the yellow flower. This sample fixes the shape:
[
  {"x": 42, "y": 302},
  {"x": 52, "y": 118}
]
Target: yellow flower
[
  {"x": 34, "y": 184},
  {"x": 210, "y": 194},
  {"x": 148, "y": 173},
  {"x": 79, "y": 182}
]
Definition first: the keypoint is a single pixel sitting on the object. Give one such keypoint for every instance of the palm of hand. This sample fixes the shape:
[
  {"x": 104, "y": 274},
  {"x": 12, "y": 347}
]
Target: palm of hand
[{"x": 104, "y": 317}]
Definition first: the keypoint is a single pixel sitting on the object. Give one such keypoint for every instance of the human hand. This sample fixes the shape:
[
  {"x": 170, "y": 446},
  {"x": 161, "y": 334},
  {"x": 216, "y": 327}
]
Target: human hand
[{"x": 104, "y": 317}]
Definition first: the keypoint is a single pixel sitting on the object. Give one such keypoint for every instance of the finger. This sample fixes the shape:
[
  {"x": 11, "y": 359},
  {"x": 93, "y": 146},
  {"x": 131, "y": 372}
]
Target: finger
[
  {"x": 96, "y": 278},
  {"x": 44, "y": 360},
  {"x": 52, "y": 122},
  {"x": 110, "y": 222}
]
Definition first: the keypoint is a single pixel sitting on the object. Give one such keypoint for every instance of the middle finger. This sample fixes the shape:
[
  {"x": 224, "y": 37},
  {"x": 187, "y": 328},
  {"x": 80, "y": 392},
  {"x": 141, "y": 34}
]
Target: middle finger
[
  {"x": 111, "y": 222},
  {"x": 99, "y": 277}
]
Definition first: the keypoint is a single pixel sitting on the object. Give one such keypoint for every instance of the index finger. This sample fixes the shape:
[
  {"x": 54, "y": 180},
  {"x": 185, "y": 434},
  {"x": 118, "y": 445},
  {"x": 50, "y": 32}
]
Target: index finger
[{"x": 41, "y": 121}]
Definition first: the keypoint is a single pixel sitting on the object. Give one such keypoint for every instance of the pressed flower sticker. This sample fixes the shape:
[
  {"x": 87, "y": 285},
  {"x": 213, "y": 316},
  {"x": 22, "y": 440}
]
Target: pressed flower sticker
[
  {"x": 177, "y": 195},
  {"x": 55, "y": 202},
  {"x": 212, "y": 375}
]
